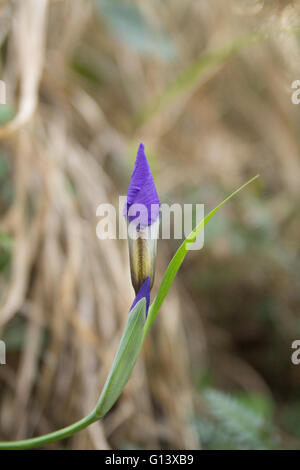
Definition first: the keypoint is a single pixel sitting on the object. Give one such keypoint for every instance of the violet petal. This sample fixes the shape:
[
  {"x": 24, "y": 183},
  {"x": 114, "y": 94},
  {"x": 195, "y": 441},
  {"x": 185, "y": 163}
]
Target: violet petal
[
  {"x": 142, "y": 189},
  {"x": 143, "y": 292}
]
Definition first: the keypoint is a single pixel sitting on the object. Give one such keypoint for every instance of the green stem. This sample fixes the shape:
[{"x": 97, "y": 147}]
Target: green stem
[
  {"x": 52, "y": 436},
  {"x": 104, "y": 402}
]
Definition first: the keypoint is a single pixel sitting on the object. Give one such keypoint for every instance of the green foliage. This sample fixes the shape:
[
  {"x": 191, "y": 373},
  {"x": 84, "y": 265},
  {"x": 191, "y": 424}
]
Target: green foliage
[
  {"x": 120, "y": 372},
  {"x": 6, "y": 243},
  {"x": 290, "y": 420},
  {"x": 14, "y": 334},
  {"x": 6, "y": 184},
  {"x": 7, "y": 112},
  {"x": 236, "y": 423},
  {"x": 125, "y": 359},
  {"x": 126, "y": 22}
]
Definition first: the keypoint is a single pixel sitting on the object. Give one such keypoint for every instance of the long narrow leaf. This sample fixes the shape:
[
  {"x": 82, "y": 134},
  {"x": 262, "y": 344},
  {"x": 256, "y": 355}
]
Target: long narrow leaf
[
  {"x": 178, "y": 258},
  {"x": 188, "y": 80},
  {"x": 125, "y": 359}
]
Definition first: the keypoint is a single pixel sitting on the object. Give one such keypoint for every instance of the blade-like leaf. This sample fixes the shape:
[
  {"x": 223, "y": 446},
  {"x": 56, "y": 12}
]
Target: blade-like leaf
[
  {"x": 125, "y": 359},
  {"x": 189, "y": 80},
  {"x": 178, "y": 258}
]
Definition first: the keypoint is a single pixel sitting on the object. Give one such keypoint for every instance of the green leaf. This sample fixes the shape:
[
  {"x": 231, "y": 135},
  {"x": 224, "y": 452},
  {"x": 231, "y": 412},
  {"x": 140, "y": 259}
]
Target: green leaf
[
  {"x": 178, "y": 258},
  {"x": 130, "y": 26},
  {"x": 197, "y": 72},
  {"x": 6, "y": 246},
  {"x": 125, "y": 359},
  {"x": 7, "y": 112},
  {"x": 244, "y": 426},
  {"x": 6, "y": 240},
  {"x": 237, "y": 417}
]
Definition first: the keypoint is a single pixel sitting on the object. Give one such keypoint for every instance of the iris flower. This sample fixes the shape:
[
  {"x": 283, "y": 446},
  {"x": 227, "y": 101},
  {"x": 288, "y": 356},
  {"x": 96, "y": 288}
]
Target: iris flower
[{"x": 142, "y": 211}]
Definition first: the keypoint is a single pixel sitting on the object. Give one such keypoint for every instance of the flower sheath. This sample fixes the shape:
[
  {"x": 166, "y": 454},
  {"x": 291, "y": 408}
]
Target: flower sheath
[{"x": 142, "y": 210}]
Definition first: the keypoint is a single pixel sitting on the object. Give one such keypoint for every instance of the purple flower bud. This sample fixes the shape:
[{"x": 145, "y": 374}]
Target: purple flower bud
[
  {"x": 142, "y": 211},
  {"x": 142, "y": 191}
]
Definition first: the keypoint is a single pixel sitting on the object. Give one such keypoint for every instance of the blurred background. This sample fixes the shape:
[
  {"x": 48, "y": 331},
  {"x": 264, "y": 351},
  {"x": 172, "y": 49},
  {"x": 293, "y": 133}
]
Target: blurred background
[{"x": 207, "y": 87}]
